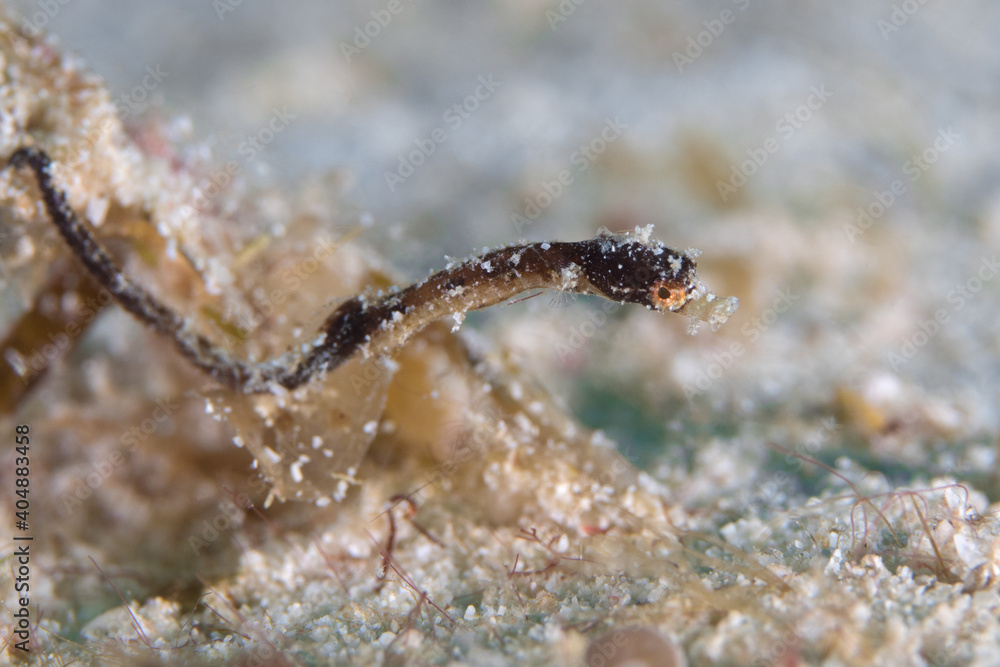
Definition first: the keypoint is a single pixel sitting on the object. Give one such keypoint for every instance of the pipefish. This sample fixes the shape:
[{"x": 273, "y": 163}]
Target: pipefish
[{"x": 623, "y": 267}]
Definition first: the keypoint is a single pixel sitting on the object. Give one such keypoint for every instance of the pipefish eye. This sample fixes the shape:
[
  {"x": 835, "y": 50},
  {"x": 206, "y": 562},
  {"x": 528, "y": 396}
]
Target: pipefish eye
[{"x": 667, "y": 297}]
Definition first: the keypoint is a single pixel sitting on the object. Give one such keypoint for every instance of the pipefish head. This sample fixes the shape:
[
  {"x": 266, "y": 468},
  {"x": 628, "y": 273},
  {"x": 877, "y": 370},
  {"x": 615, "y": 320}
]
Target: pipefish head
[{"x": 635, "y": 269}]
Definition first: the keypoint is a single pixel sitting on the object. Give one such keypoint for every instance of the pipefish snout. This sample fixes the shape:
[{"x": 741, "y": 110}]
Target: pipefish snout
[{"x": 623, "y": 267}]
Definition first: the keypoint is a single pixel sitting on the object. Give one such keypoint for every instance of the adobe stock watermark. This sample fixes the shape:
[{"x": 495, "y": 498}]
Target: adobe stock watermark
[
  {"x": 471, "y": 437},
  {"x": 39, "y": 359},
  {"x": 364, "y": 34},
  {"x": 779, "y": 650},
  {"x": 230, "y": 515},
  {"x": 134, "y": 100},
  {"x": 373, "y": 369},
  {"x": 126, "y": 104},
  {"x": 900, "y": 15},
  {"x": 563, "y": 11},
  {"x": 580, "y": 160},
  {"x": 87, "y": 484},
  {"x": 914, "y": 168},
  {"x": 769, "y": 488},
  {"x": 784, "y": 129},
  {"x": 265, "y": 305},
  {"x": 453, "y": 118},
  {"x": 632, "y": 646},
  {"x": 248, "y": 149},
  {"x": 223, "y": 7},
  {"x": 752, "y": 331},
  {"x": 958, "y": 652},
  {"x": 957, "y": 298},
  {"x": 698, "y": 43},
  {"x": 580, "y": 334},
  {"x": 47, "y": 9}
]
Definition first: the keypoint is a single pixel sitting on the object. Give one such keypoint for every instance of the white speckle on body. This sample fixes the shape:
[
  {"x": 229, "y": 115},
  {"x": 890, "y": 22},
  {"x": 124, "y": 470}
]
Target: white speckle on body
[
  {"x": 97, "y": 210},
  {"x": 296, "y": 471}
]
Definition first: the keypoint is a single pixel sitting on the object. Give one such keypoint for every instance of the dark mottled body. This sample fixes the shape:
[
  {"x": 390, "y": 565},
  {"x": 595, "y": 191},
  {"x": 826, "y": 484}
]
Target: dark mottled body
[{"x": 620, "y": 267}]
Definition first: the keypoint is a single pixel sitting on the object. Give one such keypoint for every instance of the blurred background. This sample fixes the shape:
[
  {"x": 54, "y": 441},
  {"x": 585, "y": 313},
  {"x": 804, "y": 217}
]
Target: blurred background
[{"x": 836, "y": 164}]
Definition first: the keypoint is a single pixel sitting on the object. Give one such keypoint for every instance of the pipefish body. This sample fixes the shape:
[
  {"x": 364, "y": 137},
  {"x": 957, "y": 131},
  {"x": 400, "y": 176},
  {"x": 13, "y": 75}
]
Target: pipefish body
[{"x": 624, "y": 267}]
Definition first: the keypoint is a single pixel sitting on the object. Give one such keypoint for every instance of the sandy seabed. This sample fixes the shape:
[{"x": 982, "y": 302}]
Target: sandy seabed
[{"x": 563, "y": 481}]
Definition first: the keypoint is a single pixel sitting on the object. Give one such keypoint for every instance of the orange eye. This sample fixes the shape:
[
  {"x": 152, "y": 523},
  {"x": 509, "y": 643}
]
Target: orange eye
[{"x": 664, "y": 298}]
